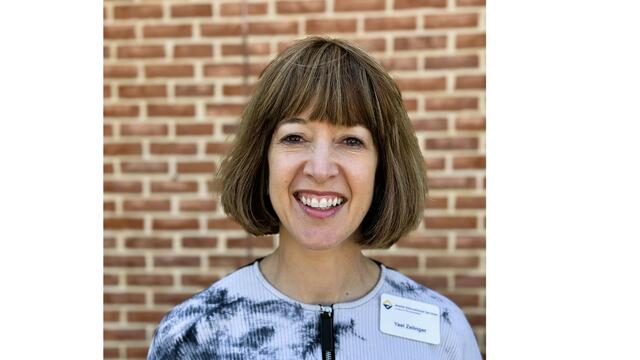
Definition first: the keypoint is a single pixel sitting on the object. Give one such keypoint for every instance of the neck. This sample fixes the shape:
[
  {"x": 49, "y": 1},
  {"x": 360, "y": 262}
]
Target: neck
[{"x": 320, "y": 276}]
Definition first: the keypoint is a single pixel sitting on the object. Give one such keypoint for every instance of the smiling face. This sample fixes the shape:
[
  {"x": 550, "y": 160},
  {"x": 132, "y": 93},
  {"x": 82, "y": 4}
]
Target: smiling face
[{"x": 321, "y": 180}]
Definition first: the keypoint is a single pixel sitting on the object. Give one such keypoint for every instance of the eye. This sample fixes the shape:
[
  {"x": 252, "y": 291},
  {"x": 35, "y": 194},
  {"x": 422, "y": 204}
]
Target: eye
[
  {"x": 353, "y": 142},
  {"x": 292, "y": 139}
]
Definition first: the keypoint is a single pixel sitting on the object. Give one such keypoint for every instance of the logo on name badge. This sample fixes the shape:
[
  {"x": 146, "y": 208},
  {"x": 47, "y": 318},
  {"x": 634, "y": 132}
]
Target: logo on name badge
[{"x": 410, "y": 319}]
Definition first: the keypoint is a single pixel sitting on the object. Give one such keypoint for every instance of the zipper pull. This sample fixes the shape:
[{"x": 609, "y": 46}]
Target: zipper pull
[{"x": 326, "y": 332}]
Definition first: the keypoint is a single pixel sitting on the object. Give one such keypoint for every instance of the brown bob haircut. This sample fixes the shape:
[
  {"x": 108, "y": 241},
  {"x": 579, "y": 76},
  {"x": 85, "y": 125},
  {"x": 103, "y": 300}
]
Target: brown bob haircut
[{"x": 343, "y": 85}]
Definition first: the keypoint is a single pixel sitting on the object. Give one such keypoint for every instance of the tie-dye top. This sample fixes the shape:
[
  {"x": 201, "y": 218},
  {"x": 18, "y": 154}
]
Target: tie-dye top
[{"x": 242, "y": 316}]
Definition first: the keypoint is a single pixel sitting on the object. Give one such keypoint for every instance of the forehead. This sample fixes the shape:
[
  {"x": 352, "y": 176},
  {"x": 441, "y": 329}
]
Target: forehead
[{"x": 301, "y": 120}]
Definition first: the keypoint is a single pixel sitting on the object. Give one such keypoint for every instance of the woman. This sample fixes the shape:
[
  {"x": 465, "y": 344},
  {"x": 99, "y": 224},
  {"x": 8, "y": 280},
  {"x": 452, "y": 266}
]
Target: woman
[{"x": 325, "y": 156}]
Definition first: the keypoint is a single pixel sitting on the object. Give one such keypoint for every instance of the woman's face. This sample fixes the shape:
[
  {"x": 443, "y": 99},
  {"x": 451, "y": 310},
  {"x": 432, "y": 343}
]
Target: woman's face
[{"x": 321, "y": 180}]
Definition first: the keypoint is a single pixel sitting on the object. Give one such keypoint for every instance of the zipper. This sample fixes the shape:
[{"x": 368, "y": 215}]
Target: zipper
[{"x": 326, "y": 332}]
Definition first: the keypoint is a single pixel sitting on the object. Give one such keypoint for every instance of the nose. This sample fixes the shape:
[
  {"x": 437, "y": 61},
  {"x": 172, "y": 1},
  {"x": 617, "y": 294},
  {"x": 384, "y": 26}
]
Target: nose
[{"x": 321, "y": 164}]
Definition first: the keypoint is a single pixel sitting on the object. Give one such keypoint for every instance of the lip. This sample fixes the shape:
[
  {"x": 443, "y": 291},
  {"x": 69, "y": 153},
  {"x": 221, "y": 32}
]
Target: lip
[
  {"x": 321, "y": 193},
  {"x": 317, "y": 213}
]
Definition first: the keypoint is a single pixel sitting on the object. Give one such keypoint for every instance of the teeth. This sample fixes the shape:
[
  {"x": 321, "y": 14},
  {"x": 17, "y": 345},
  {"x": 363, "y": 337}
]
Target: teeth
[{"x": 322, "y": 203}]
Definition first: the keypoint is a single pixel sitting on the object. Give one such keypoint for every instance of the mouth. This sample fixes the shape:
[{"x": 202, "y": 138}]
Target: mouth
[{"x": 319, "y": 206}]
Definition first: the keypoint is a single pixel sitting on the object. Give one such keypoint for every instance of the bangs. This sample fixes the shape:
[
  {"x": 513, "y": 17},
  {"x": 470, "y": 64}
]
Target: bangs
[{"x": 329, "y": 81}]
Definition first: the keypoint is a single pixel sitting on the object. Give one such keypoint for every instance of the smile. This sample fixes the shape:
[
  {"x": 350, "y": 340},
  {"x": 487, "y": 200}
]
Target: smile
[{"x": 319, "y": 206}]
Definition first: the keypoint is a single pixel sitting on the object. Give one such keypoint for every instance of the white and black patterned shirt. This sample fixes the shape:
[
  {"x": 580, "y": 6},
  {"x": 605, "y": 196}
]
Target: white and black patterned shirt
[{"x": 243, "y": 317}]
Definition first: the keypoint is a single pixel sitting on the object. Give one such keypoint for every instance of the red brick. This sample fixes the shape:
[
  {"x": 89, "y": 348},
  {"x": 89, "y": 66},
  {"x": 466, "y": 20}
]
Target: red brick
[
  {"x": 452, "y": 261},
  {"x": 152, "y": 167},
  {"x": 471, "y": 82},
  {"x": 237, "y": 90},
  {"x": 193, "y": 51},
  {"x": 451, "y": 103},
  {"x": 468, "y": 281},
  {"x": 398, "y": 64},
  {"x": 108, "y": 279},
  {"x": 111, "y": 353},
  {"x": 107, "y": 168},
  {"x": 198, "y": 205},
  {"x": 433, "y": 124},
  {"x": 469, "y": 162},
  {"x": 264, "y": 242},
  {"x": 142, "y": 91},
  {"x": 420, "y": 43},
  {"x": 221, "y": 30},
  {"x": 123, "y": 223},
  {"x": 170, "y": 298},
  {"x": 358, "y": 5},
  {"x": 147, "y": 205},
  {"x": 229, "y": 261},
  {"x": 451, "y": 62},
  {"x": 273, "y": 27},
  {"x": 109, "y": 242},
  {"x": 171, "y": 261},
  {"x": 422, "y": 84},
  {"x": 224, "y": 70},
  {"x": 398, "y": 261},
  {"x": 176, "y": 224},
  {"x": 191, "y": 10},
  {"x": 106, "y": 52},
  {"x": 452, "y": 143},
  {"x": 108, "y": 206},
  {"x": 462, "y": 3},
  {"x": 200, "y": 280},
  {"x": 122, "y": 186},
  {"x": 120, "y": 71},
  {"x": 119, "y": 32},
  {"x": 174, "y": 186},
  {"x": 124, "y": 334},
  {"x": 138, "y": 11},
  {"x": 451, "y": 182},
  {"x": 171, "y": 110},
  {"x": 434, "y": 163},
  {"x": 124, "y": 261},
  {"x": 106, "y": 91},
  {"x": 167, "y": 31},
  {"x": 297, "y": 7},
  {"x": 218, "y": 148},
  {"x": 223, "y": 224},
  {"x": 194, "y": 167},
  {"x": 137, "y": 352},
  {"x": 470, "y": 242},
  {"x": 410, "y": 104},
  {"x": 140, "y": 51},
  {"x": 407, "y": 4},
  {"x": 423, "y": 242},
  {"x": 371, "y": 45},
  {"x": 121, "y": 110},
  {"x": 148, "y": 242},
  {"x": 224, "y": 109},
  {"x": 471, "y": 202},
  {"x": 251, "y": 49},
  {"x": 432, "y": 282},
  {"x": 152, "y": 317},
  {"x": 122, "y": 149},
  {"x": 229, "y": 128},
  {"x": 470, "y": 123},
  {"x": 321, "y": 26},
  {"x": 149, "y": 279},
  {"x": 476, "y": 320},
  {"x": 107, "y": 130},
  {"x": 235, "y": 9},
  {"x": 194, "y": 90},
  {"x": 463, "y": 300},
  {"x": 110, "y": 316},
  {"x": 173, "y": 148},
  {"x": 436, "y": 202},
  {"x": 194, "y": 129},
  {"x": 471, "y": 41},
  {"x": 450, "y": 222},
  {"x": 450, "y": 21},
  {"x": 143, "y": 129},
  {"x": 390, "y": 23},
  {"x": 155, "y": 71},
  {"x": 199, "y": 242}
]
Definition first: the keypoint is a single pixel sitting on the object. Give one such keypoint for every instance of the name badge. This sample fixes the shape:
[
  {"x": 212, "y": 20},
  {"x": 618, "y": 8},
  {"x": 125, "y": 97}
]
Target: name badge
[{"x": 409, "y": 319}]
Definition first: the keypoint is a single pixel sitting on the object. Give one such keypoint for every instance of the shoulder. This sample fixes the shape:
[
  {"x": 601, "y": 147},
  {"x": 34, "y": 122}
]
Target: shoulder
[
  {"x": 183, "y": 328},
  {"x": 453, "y": 319}
]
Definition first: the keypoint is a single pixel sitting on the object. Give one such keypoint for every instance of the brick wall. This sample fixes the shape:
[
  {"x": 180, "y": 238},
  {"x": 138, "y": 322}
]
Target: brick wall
[{"x": 176, "y": 76}]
